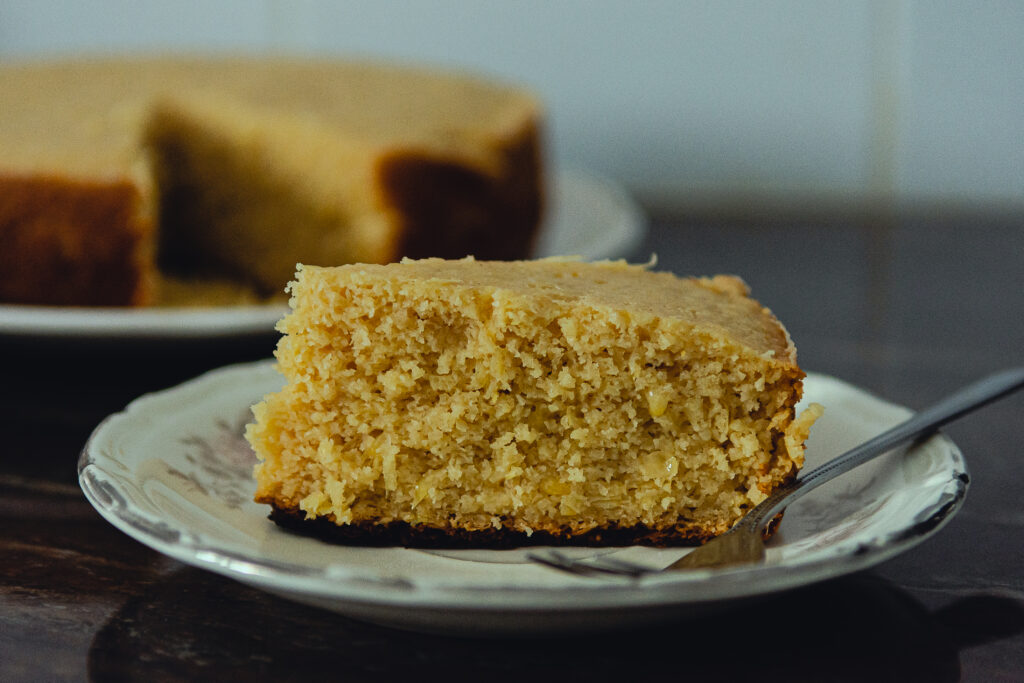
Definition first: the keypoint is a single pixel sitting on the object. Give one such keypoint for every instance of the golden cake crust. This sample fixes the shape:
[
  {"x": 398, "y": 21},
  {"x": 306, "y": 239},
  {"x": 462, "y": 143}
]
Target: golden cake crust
[
  {"x": 443, "y": 204},
  {"x": 718, "y": 306},
  {"x": 69, "y": 242}
]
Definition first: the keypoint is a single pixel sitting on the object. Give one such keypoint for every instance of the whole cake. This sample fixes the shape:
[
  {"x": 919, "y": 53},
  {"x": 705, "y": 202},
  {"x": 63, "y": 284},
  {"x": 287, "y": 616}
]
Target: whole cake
[
  {"x": 116, "y": 172},
  {"x": 493, "y": 404}
]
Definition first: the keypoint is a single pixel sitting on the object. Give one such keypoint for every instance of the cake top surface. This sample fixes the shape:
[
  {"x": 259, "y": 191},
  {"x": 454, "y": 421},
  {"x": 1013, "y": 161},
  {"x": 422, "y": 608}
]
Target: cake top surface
[
  {"x": 85, "y": 114},
  {"x": 719, "y": 306}
]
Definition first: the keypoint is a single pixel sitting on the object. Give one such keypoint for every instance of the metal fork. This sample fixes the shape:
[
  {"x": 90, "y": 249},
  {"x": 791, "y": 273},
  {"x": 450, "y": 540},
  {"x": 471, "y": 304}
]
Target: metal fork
[{"x": 744, "y": 542}]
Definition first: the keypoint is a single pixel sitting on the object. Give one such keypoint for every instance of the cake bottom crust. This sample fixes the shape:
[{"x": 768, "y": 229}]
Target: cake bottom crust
[{"x": 398, "y": 533}]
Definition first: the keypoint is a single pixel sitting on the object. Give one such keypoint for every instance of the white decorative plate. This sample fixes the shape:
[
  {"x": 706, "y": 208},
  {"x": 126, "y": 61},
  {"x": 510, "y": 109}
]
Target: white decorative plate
[
  {"x": 173, "y": 471},
  {"x": 587, "y": 216}
]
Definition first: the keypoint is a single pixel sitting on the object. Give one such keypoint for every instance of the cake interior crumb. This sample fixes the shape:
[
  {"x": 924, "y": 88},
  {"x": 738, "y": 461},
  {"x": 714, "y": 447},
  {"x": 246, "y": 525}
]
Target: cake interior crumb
[{"x": 433, "y": 402}]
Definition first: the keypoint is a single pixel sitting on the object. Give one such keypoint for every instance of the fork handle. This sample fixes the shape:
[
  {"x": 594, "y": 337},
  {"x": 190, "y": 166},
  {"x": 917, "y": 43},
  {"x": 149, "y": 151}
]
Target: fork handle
[{"x": 956, "y": 405}]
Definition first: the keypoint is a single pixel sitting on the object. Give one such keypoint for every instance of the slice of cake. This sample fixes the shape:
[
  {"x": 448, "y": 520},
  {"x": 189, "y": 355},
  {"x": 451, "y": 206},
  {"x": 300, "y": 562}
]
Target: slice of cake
[
  {"x": 490, "y": 404},
  {"x": 244, "y": 167}
]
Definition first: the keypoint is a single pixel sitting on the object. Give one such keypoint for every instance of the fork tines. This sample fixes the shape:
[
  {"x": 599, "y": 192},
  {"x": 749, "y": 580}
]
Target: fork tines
[{"x": 590, "y": 566}]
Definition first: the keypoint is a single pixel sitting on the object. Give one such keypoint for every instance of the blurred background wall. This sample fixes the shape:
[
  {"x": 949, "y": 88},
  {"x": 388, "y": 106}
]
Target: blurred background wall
[{"x": 743, "y": 106}]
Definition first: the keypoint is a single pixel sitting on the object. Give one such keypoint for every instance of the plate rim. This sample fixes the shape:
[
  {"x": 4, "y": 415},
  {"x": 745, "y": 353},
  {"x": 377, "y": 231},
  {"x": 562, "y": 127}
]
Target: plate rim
[{"x": 698, "y": 587}]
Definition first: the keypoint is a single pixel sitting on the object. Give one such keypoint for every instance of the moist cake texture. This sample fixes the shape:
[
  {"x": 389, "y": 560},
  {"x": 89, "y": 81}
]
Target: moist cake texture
[
  {"x": 473, "y": 403},
  {"x": 242, "y": 167}
]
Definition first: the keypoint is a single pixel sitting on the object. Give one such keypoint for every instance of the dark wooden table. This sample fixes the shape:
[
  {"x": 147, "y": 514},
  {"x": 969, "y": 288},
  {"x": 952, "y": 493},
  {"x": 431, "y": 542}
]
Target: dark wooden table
[{"x": 908, "y": 307}]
